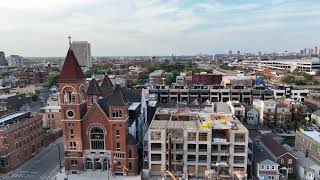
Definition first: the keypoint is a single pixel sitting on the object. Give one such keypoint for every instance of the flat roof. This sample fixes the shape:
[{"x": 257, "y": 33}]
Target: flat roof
[
  {"x": 206, "y": 118},
  {"x": 12, "y": 116},
  {"x": 5, "y": 96},
  {"x": 315, "y": 135}
]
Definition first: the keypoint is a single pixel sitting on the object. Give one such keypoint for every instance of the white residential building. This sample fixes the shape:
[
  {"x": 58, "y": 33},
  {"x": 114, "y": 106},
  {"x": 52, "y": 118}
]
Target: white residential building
[
  {"x": 252, "y": 116},
  {"x": 268, "y": 170}
]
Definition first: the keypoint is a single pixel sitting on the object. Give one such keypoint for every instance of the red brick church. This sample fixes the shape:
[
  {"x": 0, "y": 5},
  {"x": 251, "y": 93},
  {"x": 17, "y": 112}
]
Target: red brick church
[{"x": 95, "y": 124}]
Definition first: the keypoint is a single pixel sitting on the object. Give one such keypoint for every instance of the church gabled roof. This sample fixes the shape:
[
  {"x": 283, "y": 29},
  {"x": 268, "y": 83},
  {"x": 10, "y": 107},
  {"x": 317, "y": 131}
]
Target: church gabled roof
[
  {"x": 106, "y": 83},
  {"x": 116, "y": 98},
  {"x": 94, "y": 88},
  {"x": 71, "y": 69}
]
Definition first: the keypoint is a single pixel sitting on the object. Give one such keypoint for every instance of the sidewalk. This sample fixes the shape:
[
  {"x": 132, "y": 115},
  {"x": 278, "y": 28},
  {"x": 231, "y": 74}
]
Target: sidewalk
[{"x": 94, "y": 176}]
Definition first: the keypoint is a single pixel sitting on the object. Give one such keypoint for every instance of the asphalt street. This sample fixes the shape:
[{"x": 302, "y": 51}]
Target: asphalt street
[{"x": 43, "y": 166}]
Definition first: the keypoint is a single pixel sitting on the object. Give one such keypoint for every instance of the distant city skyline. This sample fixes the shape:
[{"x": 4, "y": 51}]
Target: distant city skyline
[{"x": 39, "y": 28}]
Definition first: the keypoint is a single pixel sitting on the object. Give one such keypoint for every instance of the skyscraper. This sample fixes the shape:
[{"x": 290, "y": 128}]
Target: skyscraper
[
  {"x": 3, "y": 61},
  {"x": 82, "y": 51}
]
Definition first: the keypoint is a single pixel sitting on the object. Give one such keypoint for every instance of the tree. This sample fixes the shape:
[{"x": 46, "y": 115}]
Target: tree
[
  {"x": 34, "y": 97},
  {"x": 53, "y": 79},
  {"x": 318, "y": 73}
]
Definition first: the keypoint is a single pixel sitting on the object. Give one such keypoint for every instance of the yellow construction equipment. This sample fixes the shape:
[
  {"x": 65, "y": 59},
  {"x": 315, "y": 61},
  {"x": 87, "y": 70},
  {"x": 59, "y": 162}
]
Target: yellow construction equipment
[{"x": 170, "y": 174}]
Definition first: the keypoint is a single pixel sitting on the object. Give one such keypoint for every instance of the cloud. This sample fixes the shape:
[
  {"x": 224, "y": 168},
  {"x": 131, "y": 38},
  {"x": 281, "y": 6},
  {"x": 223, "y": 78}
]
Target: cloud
[{"x": 156, "y": 27}]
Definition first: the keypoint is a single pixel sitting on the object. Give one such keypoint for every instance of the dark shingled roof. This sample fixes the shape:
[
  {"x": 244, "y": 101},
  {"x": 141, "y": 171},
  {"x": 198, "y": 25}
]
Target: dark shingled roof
[
  {"x": 131, "y": 95},
  {"x": 106, "y": 84},
  {"x": 275, "y": 148},
  {"x": 71, "y": 69},
  {"x": 116, "y": 97},
  {"x": 103, "y": 104},
  {"x": 94, "y": 88}
]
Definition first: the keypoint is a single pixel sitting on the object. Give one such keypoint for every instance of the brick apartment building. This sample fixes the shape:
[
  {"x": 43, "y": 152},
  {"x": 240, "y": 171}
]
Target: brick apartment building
[
  {"x": 309, "y": 143},
  {"x": 21, "y": 137},
  {"x": 95, "y": 124}
]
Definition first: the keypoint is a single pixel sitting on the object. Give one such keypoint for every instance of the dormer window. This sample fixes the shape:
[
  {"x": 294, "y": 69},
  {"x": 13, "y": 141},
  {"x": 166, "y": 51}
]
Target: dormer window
[{"x": 117, "y": 114}]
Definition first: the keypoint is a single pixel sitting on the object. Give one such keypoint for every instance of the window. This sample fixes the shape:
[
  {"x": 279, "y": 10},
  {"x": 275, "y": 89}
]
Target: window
[
  {"x": 155, "y": 135},
  {"x": 191, "y": 158},
  {"x": 290, "y": 169},
  {"x": 271, "y": 177},
  {"x": 48, "y": 115},
  {"x": 202, "y": 147},
  {"x": 191, "y": 147},
  {"x": 97, "y": 138},
  {"x": 281, "y": 161},
  {"x": 116, "y": 113},
  {"x": 155, "y": 146},
  {"x": 240, "y": 137},
  {"x": 88, "y": 163},
  {"x": 262, "y": 167},
  {"x": 203, "y": 136},
  {"x": 273, "y": 167},
  {"x": 74, "y": 164},
  {"x": 192, "y": 136},
  {"x": 71, "y": 131},
  {"x": 268, "y": 167},
  {"x": 117, "y": 134},
  {"x": 130, "y": 153},
  {"x": 202, "y": 158},
  {"x": 52, "y": 116},
  {"x": 118, "y": 146},
  {"x": 73, "y": 145},
  {"x": 155, "y": 157},
  {"x": 289, "y": 161},
  {"x": 238, "y": 159},
  {"x": 70, "y": 114},
  {"x": 69, "y": 97}
]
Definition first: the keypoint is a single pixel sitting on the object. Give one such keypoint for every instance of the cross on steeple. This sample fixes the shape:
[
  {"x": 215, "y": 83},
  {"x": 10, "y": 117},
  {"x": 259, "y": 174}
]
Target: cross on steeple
[{"x": 69, "y": 37}]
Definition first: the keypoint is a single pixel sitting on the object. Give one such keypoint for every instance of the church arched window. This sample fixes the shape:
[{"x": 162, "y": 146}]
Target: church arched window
[{"x": 97, "y": 138}]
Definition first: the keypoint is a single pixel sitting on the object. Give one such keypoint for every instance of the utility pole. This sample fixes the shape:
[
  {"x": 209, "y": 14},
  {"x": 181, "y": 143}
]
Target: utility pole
[{"x": 59, "y": 158}]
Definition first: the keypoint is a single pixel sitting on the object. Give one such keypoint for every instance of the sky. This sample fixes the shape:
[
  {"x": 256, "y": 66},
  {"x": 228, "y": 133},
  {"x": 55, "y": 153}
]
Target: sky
[{"x": 158, "y": 27}]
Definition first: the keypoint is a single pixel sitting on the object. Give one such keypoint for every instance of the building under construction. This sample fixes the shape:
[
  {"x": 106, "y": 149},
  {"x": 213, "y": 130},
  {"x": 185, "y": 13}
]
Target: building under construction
[{"x": 198, "y": 142}]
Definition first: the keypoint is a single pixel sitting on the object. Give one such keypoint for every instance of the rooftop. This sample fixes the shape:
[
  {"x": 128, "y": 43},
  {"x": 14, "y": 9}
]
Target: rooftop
[
  {"x": 6, "y": 96},
  {"x": 5, "y": 119},
  {"x": 302, "y": 159},
  {"x": 315, "y": 135},
  {"x": 194, "y": 118},
  {"x": 134, "y": 106}
]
